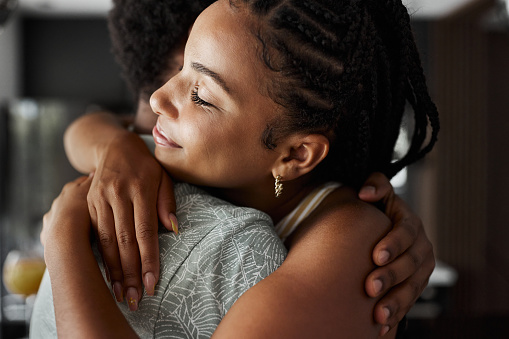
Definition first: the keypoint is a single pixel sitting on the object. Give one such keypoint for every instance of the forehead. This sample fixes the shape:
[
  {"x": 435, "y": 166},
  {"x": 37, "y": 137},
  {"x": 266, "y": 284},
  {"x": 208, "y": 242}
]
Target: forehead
[{"x": 221, "y": 39}]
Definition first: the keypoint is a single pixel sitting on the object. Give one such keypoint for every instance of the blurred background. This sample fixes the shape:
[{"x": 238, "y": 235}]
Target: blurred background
[{"x": 55, "y": 65}]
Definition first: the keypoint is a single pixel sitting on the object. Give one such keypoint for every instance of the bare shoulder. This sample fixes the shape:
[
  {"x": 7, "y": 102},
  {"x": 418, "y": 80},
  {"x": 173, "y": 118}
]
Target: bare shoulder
[
  {"x": 319, "y": 290},
  {"x": 342, "y": 217}
]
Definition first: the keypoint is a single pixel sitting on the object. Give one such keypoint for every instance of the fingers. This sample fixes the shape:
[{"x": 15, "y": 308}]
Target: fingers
[
  {"x": 166, "y": 206},
  {"x": 107, "y": 239},
  {"x": 391, "y": 309},
  {"x": 405, "y": 278},
  {"x": 145, "y": 217},
  {"x": 377, "y": 187},
  {"x": 397, "y": 241},
  {"x": 112, "y": 218},
  {"x": 402, "y": 268},
  {"x": 406, "y": 231},
  {"x": 129, "y": 256}
]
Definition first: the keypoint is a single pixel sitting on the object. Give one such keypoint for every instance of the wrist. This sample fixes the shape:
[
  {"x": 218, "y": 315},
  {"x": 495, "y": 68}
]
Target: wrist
[
  {"x": 120, "y": 141},
  {"x": 65, "y": 245}
]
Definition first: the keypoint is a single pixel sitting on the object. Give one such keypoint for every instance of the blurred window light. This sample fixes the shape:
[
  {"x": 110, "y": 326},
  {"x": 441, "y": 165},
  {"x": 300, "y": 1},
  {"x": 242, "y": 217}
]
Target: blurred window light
[{"x": 66, "y": 7}]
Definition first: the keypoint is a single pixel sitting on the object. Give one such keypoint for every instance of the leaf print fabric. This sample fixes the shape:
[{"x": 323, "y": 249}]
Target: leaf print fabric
[{"x": 220, "y": 252}]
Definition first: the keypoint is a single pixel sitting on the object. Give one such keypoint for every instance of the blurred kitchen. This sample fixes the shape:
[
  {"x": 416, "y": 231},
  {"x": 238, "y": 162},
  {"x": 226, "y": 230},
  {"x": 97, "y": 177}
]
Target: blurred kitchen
[{"x": 55, "y": 64}]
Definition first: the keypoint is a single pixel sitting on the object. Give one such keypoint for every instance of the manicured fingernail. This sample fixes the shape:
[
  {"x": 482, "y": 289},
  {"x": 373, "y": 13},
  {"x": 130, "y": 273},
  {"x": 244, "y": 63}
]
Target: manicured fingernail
[
  {"x": 387, "y": 313},
  {"x": 174, "y": 223},
  {"x": 132, "y": 298},
  {"x": 118, "y": 291},
  {"x": 383, "y": 257},
  {"x": 384, "y": 330},
  {"x": 367, "y": 190},
  {"x": 377, "y": 286},
  {"x": 150, "y": 283}
]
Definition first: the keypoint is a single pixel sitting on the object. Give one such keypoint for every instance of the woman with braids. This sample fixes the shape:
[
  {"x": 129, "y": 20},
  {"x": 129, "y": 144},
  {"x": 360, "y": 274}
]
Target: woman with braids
[
  {"x": 310, "y": 94},
  {"x": 148, "y": 42}
]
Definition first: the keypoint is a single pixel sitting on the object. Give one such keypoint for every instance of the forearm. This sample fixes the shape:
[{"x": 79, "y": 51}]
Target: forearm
[
  {"x": 84, "y": 307},
  {"x": 86, "y": 137}
]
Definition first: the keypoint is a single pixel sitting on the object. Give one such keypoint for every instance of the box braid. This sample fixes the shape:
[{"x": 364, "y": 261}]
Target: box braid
[{"x": 347, "y": 69}]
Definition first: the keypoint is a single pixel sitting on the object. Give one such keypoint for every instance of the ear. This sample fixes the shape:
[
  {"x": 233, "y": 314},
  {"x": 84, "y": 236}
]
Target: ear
[{"x": 300, "y": 154}]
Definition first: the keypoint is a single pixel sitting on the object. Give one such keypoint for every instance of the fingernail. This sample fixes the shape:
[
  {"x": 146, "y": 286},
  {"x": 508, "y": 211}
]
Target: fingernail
[
  {"x": 174, "y": 223},
  {"x": 132, "y": 298},
  {"x": 367, "y": 190},
  {"x": 378, "y": 285},
  {"x": 387, "y": 313},
  {"x": 91, "y": 174},
  {"x": 383, "y": 257},
  {"x": 384, "y": 330},
  {"x": 117, "y": 291},
  {"x": 150, "y": 283}
]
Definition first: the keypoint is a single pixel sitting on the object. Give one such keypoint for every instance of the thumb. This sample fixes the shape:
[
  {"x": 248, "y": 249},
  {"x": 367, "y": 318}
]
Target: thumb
[
  {"x": 377, "y": 187},
  {"x": 166, "y": 206}
]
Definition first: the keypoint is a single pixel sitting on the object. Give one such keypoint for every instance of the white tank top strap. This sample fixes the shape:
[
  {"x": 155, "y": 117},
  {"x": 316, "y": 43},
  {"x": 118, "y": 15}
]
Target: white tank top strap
[{"x": 288, "y": 224}]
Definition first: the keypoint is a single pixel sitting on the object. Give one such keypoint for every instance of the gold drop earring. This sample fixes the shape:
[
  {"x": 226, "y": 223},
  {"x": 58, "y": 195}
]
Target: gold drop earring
[{"x": 278, "y": 186}]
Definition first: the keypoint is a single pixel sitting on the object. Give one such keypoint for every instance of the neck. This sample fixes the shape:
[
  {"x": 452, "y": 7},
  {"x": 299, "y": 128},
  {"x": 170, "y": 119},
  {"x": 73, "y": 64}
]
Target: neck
[{"x": 262, "y": 197}]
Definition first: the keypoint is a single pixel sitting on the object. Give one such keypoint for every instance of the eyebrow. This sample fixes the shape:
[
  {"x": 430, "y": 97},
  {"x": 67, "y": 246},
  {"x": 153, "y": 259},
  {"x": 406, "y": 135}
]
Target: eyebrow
[{"x": 216, "y": 77}]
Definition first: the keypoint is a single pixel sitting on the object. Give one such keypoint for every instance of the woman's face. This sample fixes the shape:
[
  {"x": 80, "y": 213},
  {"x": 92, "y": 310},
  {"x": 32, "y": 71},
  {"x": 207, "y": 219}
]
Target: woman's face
[{"x": 211, "y": 114}]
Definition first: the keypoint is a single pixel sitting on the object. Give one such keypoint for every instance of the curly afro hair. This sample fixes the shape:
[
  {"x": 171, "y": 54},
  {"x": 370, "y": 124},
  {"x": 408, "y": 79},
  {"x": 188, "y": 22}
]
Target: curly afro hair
[{"x": 145, "y": 34}]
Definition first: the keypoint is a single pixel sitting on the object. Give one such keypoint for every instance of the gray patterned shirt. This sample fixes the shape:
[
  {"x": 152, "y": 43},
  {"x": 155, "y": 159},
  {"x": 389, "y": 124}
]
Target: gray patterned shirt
[{"x": 220, "y": 252}]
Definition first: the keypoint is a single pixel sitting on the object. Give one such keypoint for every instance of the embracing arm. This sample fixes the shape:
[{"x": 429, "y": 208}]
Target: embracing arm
[
  {"x": 83, "y": 304},
  {"x": 318, "y": 290},
  {"x": 130, "y": 190},
  {"x": 88, "y": 136}
]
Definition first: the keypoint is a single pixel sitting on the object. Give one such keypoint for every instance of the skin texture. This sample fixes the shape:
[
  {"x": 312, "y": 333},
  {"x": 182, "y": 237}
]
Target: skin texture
[
  {"x": 305, "y": 284},
  {"x": 407, "y": 233},
  {"x": 410, "y": 257}
]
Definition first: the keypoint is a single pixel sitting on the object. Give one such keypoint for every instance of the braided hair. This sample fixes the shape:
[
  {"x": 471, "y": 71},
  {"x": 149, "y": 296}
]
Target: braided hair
[
  {"x": 346, "y": 69},
  {"x": 146, "y": 34}
]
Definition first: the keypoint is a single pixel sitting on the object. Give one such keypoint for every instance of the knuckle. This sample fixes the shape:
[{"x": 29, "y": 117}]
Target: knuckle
[
  {"x": 94, "y": 193},
  {"x": 145, "y": 231},
  {"x": 125, "y": 239},
  {"x": 432, "y": 264},
  {"x": 429, "y": 247},
  {"x": 45, "y": 218},
  {"x": 415, "y": 259},
  {"x": 391, "y": 275},
  {"x": 68, "y": 186},
  {"x": 106, "y": 238},
  {"x": 429, "y": 262},
  {"x": 116, "y": 190},
  {"x": 130, "y": 277},
  {"x": 149, "y": 261},
  {"x": 411, "y": 226},
  {"x": 415, "y": 288}
]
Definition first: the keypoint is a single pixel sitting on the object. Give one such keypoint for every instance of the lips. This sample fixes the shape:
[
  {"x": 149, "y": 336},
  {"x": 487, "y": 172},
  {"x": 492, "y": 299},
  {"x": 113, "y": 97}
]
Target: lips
[{"x": 161, "y": 139}]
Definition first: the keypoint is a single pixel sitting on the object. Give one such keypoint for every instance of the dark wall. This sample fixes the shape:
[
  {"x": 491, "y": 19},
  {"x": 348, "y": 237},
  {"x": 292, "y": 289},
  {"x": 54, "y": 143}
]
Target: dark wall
[{"x": 70, "y": 59}]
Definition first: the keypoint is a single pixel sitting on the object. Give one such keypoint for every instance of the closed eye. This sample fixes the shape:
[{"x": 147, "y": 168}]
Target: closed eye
[{"x": 197, "y": 100}]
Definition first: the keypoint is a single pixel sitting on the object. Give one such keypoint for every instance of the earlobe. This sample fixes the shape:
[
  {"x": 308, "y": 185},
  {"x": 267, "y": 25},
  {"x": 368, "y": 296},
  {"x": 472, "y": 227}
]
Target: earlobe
[{"x": 301, "y": 155}]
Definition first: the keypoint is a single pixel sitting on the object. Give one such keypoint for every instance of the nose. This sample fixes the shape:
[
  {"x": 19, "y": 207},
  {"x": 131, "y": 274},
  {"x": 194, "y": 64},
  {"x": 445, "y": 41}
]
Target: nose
[{"x": 162, "y": 101}]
